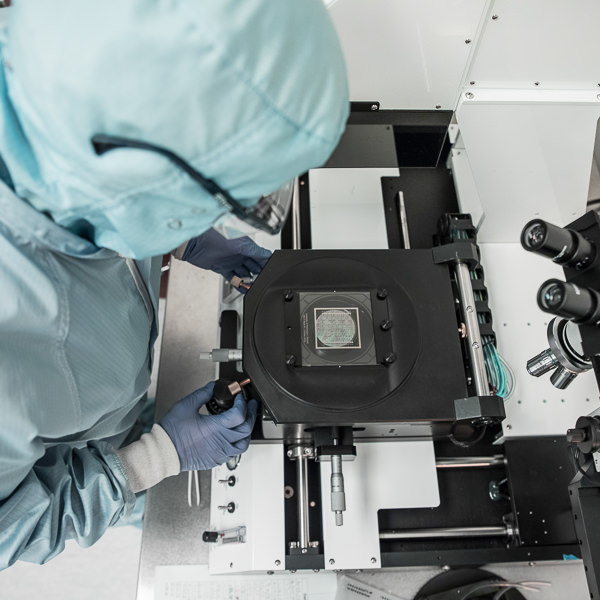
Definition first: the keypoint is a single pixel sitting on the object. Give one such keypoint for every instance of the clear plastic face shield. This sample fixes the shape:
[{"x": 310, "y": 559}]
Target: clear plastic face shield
[
  {"x": 272, "y": 210},
  {"x": 268, "y": 214}
]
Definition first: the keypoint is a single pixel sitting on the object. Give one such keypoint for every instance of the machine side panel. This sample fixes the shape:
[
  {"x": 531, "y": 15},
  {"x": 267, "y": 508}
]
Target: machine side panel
[
  {"x": 389, "y": 475},
  {"x": 530, "y": 154},
  {"x": 258, "y": 505},
  {"x": 536, "y": 407},
  {"x": 405, "y": 54},
  {"x": 551, "y": 42}
]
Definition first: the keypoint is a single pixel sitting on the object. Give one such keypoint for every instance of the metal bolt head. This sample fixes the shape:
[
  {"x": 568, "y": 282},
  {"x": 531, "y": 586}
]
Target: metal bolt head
[
  {"x": 307, "y": 451},
  {"x": 467, "y": 41},
  {"x": 288, "y": 296},
  {"x": 331, "y": 561},
  {"x": 385, "y": 325},
  {"x": 471, "y": 83},
  {"x": 389, "y": 358},
  {"x": 494, "y": 17},
  {"x": 290, "y": 360},
  {"x": 373, "y": 560},
  {"x": 469, "y": 95},
  {"x": 289, "y": 453},
  {"x": 373, "y": 106},
  {"x": 277, "y": 563},
  {"x": 475, "y": 345},
  {"x": 438, "y": 106},
  {"x": 537, "y": 83},
  {"x": 382, "y": 293},
  {"x": 304, "y": 550}
]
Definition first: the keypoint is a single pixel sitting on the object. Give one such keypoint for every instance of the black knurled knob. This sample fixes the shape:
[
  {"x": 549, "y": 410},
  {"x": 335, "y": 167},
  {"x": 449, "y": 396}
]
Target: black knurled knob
[
  {"x": 222, "y": 398},
  {"x": 210, "y": 536}
]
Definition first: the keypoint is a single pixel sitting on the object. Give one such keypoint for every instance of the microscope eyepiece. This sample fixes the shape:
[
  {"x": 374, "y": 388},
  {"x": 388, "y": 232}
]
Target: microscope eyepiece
[
  {"x": 570, "y": 301},
  {"x": 553, "y": 296},
  {"x": 565, "y": 247}
]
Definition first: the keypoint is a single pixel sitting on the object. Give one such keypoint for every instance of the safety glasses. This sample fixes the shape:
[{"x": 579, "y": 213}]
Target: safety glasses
[{"x": 268, "y": 214}]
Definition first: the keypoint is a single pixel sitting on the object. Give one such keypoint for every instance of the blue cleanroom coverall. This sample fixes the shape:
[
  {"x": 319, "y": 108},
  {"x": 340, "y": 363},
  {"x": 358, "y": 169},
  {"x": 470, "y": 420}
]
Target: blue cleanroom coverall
[{"x": 249, "y": 92}]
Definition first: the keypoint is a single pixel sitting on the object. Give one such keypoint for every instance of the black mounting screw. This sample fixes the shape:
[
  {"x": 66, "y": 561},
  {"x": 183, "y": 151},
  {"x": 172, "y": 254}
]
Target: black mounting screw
[
  {"x": 382, "y": 293},
  {"x": 288, "y": 296},
  {"x": 385, "y": 325},
  {"x": 290, "y": 360},
  {"x": 389, "y": 358}
]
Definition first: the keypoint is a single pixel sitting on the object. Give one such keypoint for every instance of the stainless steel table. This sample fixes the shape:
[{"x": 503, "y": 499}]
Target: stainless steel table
[{"x": 172, "y": 530}]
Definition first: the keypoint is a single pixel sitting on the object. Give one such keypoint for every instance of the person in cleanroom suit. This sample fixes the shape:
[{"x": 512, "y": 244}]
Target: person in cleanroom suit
[{"x": 128, "y": 128}]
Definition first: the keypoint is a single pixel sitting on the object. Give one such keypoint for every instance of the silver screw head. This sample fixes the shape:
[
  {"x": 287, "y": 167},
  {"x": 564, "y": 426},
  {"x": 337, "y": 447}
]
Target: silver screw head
[
  {"x": 331, "y": 561},
  {"x": 469, "y": 95},
  {"x": 467, "y": 41},
  {"x": 277, "y": 563},
  {"x": 373, "y": 560},
  {"x": 495, "y": 17},
  {"x": 373, "y": 106}
]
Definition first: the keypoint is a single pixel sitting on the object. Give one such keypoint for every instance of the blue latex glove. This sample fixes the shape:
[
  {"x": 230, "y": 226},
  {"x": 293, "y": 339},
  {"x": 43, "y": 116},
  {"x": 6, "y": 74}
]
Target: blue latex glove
[
  {"x": 205, "y": 441},
  {"x": 240, "y": 256}
]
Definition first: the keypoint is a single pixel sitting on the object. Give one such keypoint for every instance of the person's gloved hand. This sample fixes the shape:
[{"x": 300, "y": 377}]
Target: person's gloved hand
[
  {"x": 205, "y": 441},
  {"x": 239, "y": 257}
]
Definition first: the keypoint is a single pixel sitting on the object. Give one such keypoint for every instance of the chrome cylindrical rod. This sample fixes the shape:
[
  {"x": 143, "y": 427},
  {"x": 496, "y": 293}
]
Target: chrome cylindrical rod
[
  {"x": 222, "y": 355},
  {"x": 403, "y": 221},
  {"x": 446, "y": 532},
  {"x": 302, "y": 490},
  {"x": 469, "y": 462},
  {"x": 296, "y": 236},
  {"x": 480, "y": 379}
]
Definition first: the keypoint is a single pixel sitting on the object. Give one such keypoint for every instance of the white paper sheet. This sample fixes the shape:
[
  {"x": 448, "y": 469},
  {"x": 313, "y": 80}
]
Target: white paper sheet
[
  {"x": 352, "y": 589},
  {"x": 192, "y": 582}
]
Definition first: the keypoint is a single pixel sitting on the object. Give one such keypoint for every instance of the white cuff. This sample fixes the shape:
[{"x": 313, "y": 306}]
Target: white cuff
[{"x": 149, "y": 460}]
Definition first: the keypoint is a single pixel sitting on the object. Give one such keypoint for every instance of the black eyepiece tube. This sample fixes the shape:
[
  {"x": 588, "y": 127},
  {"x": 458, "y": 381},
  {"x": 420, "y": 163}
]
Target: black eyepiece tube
[
  {"x": 570, "y": 301},
  {"x": 563, "y": 246}
]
